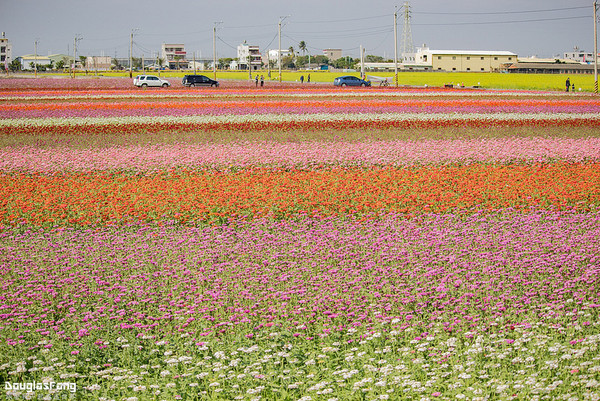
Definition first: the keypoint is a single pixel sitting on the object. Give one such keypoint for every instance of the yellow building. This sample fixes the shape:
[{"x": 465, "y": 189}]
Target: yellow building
[{"x": 465, "y": 60}]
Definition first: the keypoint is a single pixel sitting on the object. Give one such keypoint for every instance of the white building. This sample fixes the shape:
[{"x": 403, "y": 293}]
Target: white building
[
  {"x": 273, "y": 56},
  {"x": 249, "y": 57},
  {"x": 174, "y": 56},
  {"x": 464, "y": 60},
  {"x": 580, "y": 56},
  {"x": 5, "y": 52}
]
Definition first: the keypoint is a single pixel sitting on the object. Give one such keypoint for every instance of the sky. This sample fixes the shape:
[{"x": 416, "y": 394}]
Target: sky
[{"x": 526, "y": 27}]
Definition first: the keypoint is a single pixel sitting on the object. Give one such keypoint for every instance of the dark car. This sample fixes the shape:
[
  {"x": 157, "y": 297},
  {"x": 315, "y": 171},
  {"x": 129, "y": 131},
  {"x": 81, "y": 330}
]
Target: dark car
[
  {"x": 349, "y": 80},
  {"x": 198, "y": 80}
]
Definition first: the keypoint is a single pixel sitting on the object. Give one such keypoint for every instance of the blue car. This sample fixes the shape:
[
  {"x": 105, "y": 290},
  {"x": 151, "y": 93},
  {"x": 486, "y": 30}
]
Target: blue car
[{"x": 349, "y": 80}]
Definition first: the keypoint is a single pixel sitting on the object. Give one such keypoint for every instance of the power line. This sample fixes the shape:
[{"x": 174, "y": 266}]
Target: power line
[
  {"x": 500, "y": 12},
  {"x": 506, "y": 22},
  {"x": 341, "y": 20},
  {"x": 227, "y": 44}
]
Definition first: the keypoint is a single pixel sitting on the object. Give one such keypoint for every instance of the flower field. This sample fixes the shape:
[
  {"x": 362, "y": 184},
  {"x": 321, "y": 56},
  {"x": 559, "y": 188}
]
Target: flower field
[{"x": 295, "y": 243}]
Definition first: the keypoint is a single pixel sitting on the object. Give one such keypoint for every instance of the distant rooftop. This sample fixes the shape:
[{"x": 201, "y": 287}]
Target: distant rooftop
[{"x": 473, "y": 52}]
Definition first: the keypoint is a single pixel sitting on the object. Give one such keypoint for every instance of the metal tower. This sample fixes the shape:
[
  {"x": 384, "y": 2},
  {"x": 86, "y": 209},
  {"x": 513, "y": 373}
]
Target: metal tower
[{"x": 408, "y": 48}]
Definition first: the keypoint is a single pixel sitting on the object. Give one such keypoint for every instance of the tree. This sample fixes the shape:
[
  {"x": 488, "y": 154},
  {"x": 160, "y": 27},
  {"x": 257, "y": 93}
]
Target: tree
[
  {"x": 224, "y": 62},
  {"x": 137, "y": 63},
  {"x": 374, "y": 59},
  {"x": 60, "y": 64},
  {"x": 301, "y": 61},
  {"x": 14, "y": 65},
  {"x": 116, "y": 64},
  {"x": 288, "y": 62},
  {"x": 344, "y": 62},
  {"x": 302, "y": 47},
  {"x": 320, "y": 59}
]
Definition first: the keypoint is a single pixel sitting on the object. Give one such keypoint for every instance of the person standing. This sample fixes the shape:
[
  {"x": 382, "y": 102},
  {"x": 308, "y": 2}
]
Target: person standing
[
  {"x": 308, "y": 78},
  {"x": 301, "y": 79},
  {"x": 568, "y": 83},
  {"x": 256, "y": 81},
  {"x": 262, "y": 81}
]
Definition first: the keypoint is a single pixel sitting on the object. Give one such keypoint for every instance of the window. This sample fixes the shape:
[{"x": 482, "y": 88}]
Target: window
[
  {"x": 468, "y": 69},
  {"x": 453, "y": 68},
  {"x": 483, "y": 58},
  {"x": 510, "y": 58},
  {"x": 495, "y": 58},
  {"x": 453, "y": 57},
  {"x": 439, "y": 57},
  {"x": 483, "y": 69},
  {"x": 3, "y": 49},
  {"x": 468, "y": 58}
]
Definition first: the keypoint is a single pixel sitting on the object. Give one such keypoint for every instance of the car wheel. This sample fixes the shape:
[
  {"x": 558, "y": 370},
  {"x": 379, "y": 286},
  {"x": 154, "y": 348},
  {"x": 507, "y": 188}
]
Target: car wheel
[
  {"x": 192, "y": 85},
  {"x": 165, "y": 85},
  {"x": 363, "y": 85},
  {"x": 343, "y": 85},
  {"x": 144, "y": 86}
]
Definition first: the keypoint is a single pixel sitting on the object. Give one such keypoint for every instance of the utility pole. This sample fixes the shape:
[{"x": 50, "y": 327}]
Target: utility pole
[
  {"x": 35, "y": 59},
  {"x": 595, "y": 47},
  {"x": 131, "y": 52},
  {"x": 77, "y": 39},
  {"x": 396, "y": 45},
  {"x": 215, "y": 49},
  {"x": 362, "y": 62},
  {"x": 281, "y": 19}
]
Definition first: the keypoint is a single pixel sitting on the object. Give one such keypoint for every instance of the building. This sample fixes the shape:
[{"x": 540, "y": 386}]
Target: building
[
  {"x": 464, "y": 60},
  {"x": 98, "y": 63},
  {"x": 55, "y": 60},
  {"x": 535, "y": 65},
  {"x": 249, "y": 57},
  {"x": 174, "y": 56},
  {"x": 273, "y": 56},
  {"x": 333, "y": 54},
  {"x": 580, "y": 56},
  {"x": 5, "y": 52}
]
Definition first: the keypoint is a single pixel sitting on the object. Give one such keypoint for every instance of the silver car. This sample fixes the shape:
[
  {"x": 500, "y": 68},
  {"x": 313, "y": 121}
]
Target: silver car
[{"x": 145, "y": 81}]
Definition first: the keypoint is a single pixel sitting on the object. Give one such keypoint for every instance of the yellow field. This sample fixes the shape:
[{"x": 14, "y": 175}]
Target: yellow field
[{"x": 552, "y": 82}]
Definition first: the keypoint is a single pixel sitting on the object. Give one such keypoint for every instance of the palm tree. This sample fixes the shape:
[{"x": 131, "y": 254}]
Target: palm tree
[
  {"x": 302, "y": 47},
  {"x": 292, "y": 53}
]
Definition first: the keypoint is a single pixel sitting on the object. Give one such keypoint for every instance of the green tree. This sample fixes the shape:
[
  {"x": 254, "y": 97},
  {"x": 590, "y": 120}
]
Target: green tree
[
  {"x": 301, "y": 61},
  {"x": 320, "y": 59},
  {"x": 225, "y": 62},
  {"x": 116, "y": 64},
  {"x": 374, "y": 59},
  {"x": 137, "y": 63},
  {"x": 302, "y": 47},
  {"x": 344, "y": 62},
  {"x": 60, "y": 64},
  {"x": 14, "y": 65},
  {"x": 288, "y": 62}
]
